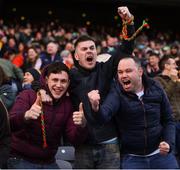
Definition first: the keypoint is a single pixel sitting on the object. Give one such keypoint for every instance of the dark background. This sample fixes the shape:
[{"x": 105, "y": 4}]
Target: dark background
[{"x": 162, "y": 14}]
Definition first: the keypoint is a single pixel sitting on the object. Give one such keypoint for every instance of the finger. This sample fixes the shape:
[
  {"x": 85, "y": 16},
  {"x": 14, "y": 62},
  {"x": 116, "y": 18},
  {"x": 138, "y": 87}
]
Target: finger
[
  {"x": 81, "y": 107},
  {"x": 164, "y": 149},
  {"x": 77, "y": 117},
  {"x": 36, "y": 109},
  {"x": 34, "y": 117},
  {"x": 77, "y": 120},
  {"x": 38, "y": 100},
  {"x": 97, "y": 91}
]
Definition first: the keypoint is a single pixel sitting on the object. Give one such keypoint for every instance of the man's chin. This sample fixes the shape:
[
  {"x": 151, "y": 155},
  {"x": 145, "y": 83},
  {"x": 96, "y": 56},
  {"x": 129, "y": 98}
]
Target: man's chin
[{"x": 57, "y": 96}]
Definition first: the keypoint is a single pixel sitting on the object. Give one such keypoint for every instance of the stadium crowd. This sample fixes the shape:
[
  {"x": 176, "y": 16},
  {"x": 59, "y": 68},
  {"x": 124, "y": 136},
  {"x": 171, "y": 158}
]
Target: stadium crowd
[{"x": 54, "y": 78}]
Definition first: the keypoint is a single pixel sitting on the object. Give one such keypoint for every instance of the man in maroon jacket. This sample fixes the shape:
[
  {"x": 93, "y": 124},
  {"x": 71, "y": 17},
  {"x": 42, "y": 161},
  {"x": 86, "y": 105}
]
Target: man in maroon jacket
[{"x": 38, "y": 127}]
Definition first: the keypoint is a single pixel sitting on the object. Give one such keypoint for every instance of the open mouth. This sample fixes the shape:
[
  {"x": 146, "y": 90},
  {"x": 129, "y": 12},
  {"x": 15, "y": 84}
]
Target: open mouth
[
  {"x": 58, "y": 91},
  {"x": 89, "y": 59},
  {"x": 126, "y": 84}
]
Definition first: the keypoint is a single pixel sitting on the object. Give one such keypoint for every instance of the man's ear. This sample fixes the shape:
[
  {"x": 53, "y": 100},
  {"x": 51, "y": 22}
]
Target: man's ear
[
  {"x": 141, "y": 71},
  {"x": 76, "y": 56},
  {"x": 166, "y": 66}
]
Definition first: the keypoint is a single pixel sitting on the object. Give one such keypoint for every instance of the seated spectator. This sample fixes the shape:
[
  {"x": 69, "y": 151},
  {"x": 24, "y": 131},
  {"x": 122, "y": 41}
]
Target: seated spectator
[{"x": 29, "y": 76}]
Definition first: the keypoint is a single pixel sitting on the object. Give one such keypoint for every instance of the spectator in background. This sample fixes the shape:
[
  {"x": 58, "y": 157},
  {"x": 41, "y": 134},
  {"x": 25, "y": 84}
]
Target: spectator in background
[
  {"x": 6, "y": 91},
  {"x": 174, "y": 51},
  {"x": 37, "y": 127},
  {"x": 12, "y": 45},
  {"x": 31, "y": 59},
  {"x": 69, "y": 46},
  {"x": 152, "y": 68},
  {"x": 67, "y": 58},
  {"x": 14, "y": 73},
  {"x": 30, "y": 75},
  {"x": 50, "y": 56},
  {"x": 111, "y": 45}
]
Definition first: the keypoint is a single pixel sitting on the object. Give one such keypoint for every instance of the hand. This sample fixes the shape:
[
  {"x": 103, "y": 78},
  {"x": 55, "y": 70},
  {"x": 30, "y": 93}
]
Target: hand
[
  {"x": 174, "y": 74},
  {"x": 94, "y": 98},
  {"x": 35, "y": 110},
  {"x": 124, "y": 13},
  {"x": 45, "y": 97},
  {"x": 78, "y": 116},
  {"x": 164, "y": 148}
]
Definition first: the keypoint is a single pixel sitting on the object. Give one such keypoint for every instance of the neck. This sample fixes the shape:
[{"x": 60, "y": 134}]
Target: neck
[{"x": 141, "y": 87}]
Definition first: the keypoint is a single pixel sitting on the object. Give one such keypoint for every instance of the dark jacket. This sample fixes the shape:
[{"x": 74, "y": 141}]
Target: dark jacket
[
  {"x": 5, "y": 135},
  {"x": 172, "y": 90},
  {"x": 144, "y": 123},
  {"x": 83, "y": 81},
  {"x": 47, "y": 59},
  {"x": 27, "y": 135},
  {"x": 7, "y": 95}
]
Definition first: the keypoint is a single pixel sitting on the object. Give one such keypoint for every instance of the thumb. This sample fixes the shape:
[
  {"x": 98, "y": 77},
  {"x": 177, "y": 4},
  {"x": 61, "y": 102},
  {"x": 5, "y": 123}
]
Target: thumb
[
  {"x": 81, "y": 107},
  {"x": 38, "y": 100}
]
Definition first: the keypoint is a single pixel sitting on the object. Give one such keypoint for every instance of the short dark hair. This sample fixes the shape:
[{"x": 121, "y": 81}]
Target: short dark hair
[
  {"x": 154, "y": 53},
  {"x": 55, "y": 68},
  {"x": 163, "y": 61},
  {"x": 83, "y": 38}
]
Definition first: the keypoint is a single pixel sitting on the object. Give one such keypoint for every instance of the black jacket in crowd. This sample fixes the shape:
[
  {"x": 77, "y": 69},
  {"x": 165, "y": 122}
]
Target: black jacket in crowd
[
  {"x": 143, "y": 123},
  {"x": 99, "y": 78}
]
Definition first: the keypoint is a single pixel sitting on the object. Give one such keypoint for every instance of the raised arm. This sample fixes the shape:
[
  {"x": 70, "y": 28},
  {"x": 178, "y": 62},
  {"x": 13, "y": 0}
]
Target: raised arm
[{"x": 127, "y": 46}]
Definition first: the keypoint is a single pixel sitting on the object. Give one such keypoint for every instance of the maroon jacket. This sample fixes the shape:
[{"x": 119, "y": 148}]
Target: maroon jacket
[{"x": 27, "y": 136}]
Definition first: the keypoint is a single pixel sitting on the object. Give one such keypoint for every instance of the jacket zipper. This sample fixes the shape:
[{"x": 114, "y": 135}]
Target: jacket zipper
[{"x": 145, "y": 129}]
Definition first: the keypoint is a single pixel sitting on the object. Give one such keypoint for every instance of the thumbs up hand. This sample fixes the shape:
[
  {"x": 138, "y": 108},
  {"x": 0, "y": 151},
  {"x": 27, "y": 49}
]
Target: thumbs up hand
[
  {"x": 78, "y": 117},
  {"x": 35, "y": 110}
]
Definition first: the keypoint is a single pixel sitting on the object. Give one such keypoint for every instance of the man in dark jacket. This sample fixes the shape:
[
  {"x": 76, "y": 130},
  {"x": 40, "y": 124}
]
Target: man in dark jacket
[
  {"x": 37, "y": 127},
  {"x": 143, "y": 115},
  {"x": 101, "y": 150},
  {"x": 5, "y": 135}
]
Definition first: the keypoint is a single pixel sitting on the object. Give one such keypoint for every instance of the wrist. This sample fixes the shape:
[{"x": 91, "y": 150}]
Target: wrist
[{"x": 129, "y": 20}]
